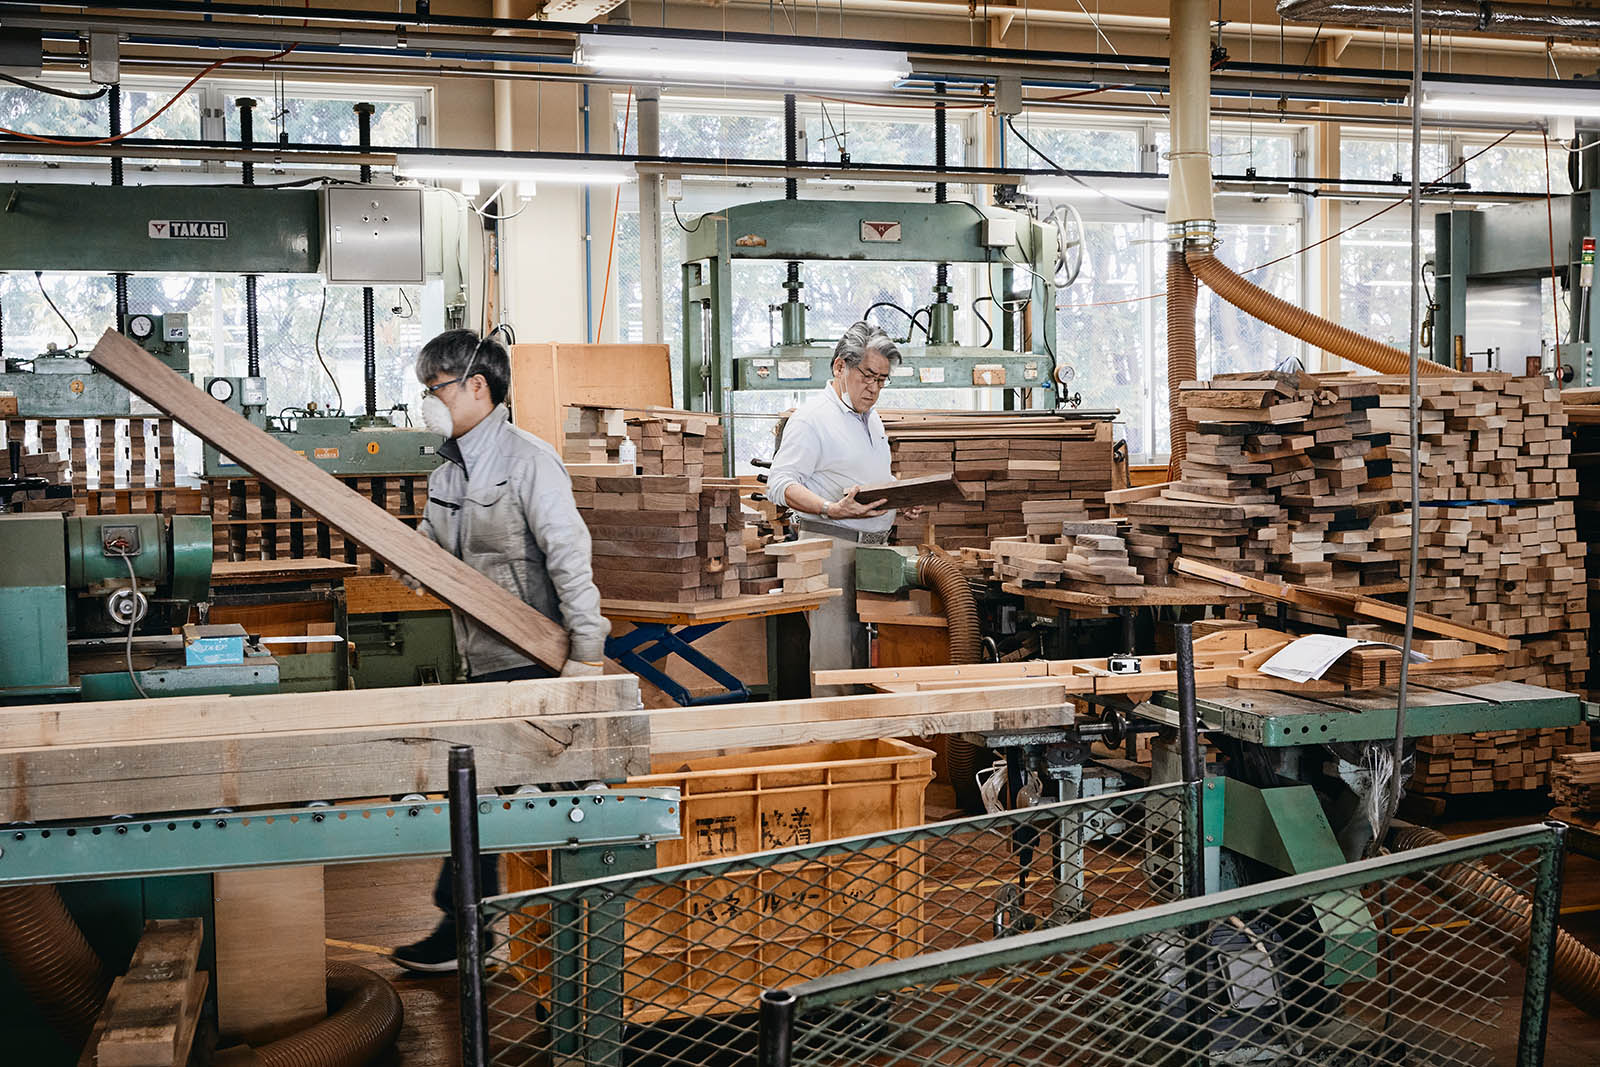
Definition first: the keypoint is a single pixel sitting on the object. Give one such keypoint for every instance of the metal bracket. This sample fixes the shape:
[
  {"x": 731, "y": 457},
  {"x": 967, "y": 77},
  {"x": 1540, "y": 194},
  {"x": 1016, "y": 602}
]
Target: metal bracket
[{"x": 342, "y": 833}]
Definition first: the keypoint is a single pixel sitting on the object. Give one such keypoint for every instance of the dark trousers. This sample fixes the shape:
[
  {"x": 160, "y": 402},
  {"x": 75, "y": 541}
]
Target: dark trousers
[{"x": 444, "y": 889}]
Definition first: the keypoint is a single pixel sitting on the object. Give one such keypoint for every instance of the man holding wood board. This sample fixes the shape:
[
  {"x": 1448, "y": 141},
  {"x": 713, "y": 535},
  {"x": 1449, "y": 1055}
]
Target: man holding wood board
[
  {"x": 832, "y": 446},
  {"x": 502, "y": 502}
]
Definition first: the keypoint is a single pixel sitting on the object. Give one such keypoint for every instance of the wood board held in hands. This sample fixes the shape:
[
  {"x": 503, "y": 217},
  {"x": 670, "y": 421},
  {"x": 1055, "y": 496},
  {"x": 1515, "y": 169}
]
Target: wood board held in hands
[
  {"x": 914, "y": 492},
  {"x": 292, "y": 475}
]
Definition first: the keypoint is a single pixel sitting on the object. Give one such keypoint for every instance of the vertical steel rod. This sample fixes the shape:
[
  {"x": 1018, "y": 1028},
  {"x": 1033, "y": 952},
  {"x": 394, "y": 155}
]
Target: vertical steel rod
[
  {"x": 1543, "y": 928},
  {"x": 369, "y": 331},
  {"x": 1194, "y": 848},
  {"x": 464, "y": 856},
  {"x": 114, "y": 121},
  {"x": 252, "y": 312},
  {"x": 776, "y": 1041}
]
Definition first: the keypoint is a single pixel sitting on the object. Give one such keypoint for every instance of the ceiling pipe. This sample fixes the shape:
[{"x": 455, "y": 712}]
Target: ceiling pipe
[
  {"x": 1466, "y": 16},
  {"x": 1191, "y": 212}
]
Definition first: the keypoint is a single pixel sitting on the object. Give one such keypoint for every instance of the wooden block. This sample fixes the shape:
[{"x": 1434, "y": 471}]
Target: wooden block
[
  {"x": 271, "y": 970},
  {"x": 144, "y": 1023}
]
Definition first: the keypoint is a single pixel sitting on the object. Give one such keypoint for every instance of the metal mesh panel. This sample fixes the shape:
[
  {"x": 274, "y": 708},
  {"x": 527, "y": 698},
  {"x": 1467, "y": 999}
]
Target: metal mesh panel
[
  {"x": 667, "y": 967},
  {"x": 1411, "y": 959}
]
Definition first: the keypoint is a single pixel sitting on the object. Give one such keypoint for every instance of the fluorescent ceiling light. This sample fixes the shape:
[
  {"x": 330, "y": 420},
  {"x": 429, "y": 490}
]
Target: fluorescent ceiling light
[
  {"x": 713, "y": 60},
  {"x": 1067, "y": 189},
  {"x": 1511, "y": 101},
  {"x": 514, "y": 169}
]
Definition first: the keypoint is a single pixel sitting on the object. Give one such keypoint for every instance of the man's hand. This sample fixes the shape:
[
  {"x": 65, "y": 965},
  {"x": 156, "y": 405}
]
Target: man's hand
[
  {"x": 409, "y": 582},
  {"x": 848, "y": 507},
  {"x": 577, "y": 668},
  {"x": 913, "y": 512}
]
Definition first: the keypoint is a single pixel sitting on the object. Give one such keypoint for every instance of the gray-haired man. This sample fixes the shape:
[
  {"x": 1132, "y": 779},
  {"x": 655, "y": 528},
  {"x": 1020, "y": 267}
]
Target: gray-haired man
[{"x": 832, "y": 446}]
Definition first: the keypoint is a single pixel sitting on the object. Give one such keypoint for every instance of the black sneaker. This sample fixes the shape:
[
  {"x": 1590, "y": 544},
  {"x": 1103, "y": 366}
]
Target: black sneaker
[{"x": 436, "y": 953}]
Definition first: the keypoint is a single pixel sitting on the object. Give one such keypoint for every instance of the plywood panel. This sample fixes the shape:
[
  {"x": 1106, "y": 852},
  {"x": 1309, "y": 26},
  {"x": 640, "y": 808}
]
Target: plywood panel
[
  {"x": 545, "y": 378},
  {"x": 271, "y": 938}
]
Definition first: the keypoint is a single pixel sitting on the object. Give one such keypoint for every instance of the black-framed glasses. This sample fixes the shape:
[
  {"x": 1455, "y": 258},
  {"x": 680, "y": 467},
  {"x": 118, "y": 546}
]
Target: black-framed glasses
[
  {"x": 880, "y": 380},
  {"x": 432, "y": 390}
]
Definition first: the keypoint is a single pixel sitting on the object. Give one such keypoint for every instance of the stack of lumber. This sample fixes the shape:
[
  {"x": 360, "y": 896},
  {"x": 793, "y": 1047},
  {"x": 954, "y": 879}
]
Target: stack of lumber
[
  {"x": 1574, "y": 778},
  {"x": 150, "y": 1015},
  {"x": 1043, "y": 518},
  {"x": 251, "y": 520},
  {"x": 127, "y": 452},
  {"x": 1582, "y": 409},
  {"x": 48, "y": 466},
  {"x": 678, "y": 442},
  {"x": 592, "y": 435},
  {"x": 1165, "y": 526},
  {"x": 1089, "y": 562},
  {"x": 800, "y": 563},
  {"x": 1029, "y": 563},
  {"x": 1003, "y": 461},
  {"x": 665, "y": 538},
  {"x": 1494, "y": 759}
]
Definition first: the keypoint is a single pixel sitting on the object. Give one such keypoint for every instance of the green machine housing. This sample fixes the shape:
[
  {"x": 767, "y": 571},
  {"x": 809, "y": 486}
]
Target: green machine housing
[
  {"x": 67, "y": 599},
  {"x": 1006, "y": 242}
]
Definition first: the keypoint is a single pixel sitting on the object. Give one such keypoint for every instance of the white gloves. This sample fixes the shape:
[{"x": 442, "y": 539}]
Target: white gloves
[{"x": 577, "y": 668}]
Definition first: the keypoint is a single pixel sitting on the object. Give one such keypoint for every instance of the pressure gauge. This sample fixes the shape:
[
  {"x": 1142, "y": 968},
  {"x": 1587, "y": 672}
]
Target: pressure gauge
[
  {"x": 221, "y": 390},
  {"x": 141, "y": 327}
]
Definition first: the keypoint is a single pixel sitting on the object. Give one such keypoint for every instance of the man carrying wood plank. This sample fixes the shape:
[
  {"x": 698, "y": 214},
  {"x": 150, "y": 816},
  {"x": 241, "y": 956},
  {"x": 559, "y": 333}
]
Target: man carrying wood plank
[
  {"x": 502, "y": 502},
  {"x": 832, "y": 446}
]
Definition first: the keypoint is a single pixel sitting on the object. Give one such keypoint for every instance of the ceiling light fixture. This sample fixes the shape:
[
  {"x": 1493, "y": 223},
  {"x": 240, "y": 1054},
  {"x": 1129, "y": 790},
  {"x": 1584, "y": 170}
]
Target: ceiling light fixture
[
  {"x": 491, "y": 168},
  {"x": 1052, "y": 188},
  {"x": 1511, "y": 101},
  {"x": 741, "y": 61}
]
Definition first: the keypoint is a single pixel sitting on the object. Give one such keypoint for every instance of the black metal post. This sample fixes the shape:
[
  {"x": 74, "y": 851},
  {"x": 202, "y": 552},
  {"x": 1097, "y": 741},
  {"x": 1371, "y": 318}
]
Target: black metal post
[
  {"x": 464, "y": 857},
  {"x": 114, "y": 117},
  {"x": 252, "y": 314},
  {"x": 247, "y": 134},
  {"x": 776, "y": 1041},
  {"x": 369, "y": 330},
  {"x": 1194, "y": 850},
  {"x": 1543, "y": 930},
  {"x": 1129, "y": 643}
]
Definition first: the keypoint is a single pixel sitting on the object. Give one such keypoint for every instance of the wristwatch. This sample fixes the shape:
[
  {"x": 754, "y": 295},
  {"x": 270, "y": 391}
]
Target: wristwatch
[{"x": 825, "y": 505}]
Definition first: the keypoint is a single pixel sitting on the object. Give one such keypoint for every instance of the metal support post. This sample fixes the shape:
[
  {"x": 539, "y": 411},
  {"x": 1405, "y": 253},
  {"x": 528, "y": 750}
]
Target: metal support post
[
  {"x": 114, "y": 117},
  {"x": 369, "y": 356},
  {"x": 1194, "y": 862},
  {"x": 1543, "y": 929},
  {"x": 252, "y": 315},
  {"x": 776, "y": 1041},
  {"x": 464, "y": 856},
  {"x": 1129, "y": 643},
  {"x": 649, "y": 98}
]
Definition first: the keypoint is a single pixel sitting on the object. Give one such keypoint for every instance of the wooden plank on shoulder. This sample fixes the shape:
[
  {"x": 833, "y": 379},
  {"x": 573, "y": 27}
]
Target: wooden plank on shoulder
[{"x": 292, "y": 475}]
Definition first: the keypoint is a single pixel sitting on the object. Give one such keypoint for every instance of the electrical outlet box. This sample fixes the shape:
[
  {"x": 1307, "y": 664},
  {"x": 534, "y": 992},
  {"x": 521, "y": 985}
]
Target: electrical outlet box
[
  {"x": 1008, "y": 96},
  {"x": 372, "y": 235},
  {"x": 998, "y": 233},
  {"x": 175, "y": 326}
]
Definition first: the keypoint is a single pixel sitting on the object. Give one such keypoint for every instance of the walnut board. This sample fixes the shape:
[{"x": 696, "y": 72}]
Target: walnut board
[
  {"x": 391, "y": 540},
  {"x": 914, "y": 492}
]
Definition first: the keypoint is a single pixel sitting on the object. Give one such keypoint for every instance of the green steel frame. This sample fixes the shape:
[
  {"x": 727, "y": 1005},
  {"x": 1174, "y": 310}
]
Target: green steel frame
[
  {"x": 1280, "y": 720},
  {"x": 1512, "y": 241},
  {"x": 572, "y": 823},
  {"x": 802, "y": 230}
]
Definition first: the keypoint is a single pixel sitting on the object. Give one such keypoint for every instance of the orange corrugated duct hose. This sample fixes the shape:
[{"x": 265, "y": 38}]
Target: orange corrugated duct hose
[
  {"x": 1297, "y": 322},
  {"x": 1181, "y": 361}
]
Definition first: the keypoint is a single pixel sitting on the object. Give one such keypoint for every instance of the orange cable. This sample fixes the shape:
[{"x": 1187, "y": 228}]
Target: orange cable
[
  {"x": 616, "y": 206},
  {"x": 159, "y": 111}
]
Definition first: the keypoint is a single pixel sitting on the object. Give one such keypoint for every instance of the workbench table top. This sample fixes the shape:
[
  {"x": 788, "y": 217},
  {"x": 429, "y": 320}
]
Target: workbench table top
[{"x": 1198, "y": 594}]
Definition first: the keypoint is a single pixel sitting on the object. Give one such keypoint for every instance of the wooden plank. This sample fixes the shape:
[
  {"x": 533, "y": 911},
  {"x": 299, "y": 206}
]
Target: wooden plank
[
  {"x": 1340, "y": 603},
  {"x": 399, "y": 546},
  {"x": 248, "y": 571},
  {"x": 109, "y": 722},
  {"x": 271, "y": 942},
  {"x": 914, "y": 492},
  {"x": 374, "y": 594},
  {"x": 289, "y": 767},
  {"x": 726, "y": 609}
]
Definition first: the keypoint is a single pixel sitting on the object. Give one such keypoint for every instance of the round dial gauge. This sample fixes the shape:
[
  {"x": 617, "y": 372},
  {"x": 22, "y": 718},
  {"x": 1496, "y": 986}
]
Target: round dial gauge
[
  {"x": 220, "y": 389},
  {"x": 140, "y": 326}
]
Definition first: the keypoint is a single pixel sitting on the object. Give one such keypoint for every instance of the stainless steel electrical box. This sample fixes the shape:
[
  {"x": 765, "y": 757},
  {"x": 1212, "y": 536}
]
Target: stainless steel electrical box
[{"x": 372, "y": 235}]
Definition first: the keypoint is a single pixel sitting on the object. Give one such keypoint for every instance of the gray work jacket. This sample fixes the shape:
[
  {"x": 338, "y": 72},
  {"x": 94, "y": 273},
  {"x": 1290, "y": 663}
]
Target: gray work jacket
[{"x": 503, "y": 504}]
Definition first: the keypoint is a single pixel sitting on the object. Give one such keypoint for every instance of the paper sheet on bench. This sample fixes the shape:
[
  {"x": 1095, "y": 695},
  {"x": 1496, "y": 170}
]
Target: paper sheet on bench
[{"x": 1310, "y": 657}]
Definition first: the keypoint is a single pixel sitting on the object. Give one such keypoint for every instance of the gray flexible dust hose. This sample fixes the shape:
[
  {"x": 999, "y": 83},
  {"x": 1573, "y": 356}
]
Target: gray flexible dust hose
[
  {"x": 1182, "y": 363},
  {"x": 1473, "y": 887}
]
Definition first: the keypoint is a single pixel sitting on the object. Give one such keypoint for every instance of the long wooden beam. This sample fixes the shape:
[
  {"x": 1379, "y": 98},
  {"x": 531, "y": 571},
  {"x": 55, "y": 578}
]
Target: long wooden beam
[{"x": 323, "y": 495}]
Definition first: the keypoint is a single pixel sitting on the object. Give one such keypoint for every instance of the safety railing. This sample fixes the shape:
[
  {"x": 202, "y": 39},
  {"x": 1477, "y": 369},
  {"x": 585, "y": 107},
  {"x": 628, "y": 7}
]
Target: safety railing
[
  {"x": 668, "y": 966},
  {"x": 1436, "y": 956}
]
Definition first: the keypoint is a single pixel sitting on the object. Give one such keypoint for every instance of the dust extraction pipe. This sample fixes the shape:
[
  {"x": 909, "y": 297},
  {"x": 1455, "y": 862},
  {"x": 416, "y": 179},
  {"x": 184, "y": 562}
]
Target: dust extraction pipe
[
  {"x": 365, "y": 1023},
  {"x": 1475, "y": 888},
  {"x": 55, "y": 965},
  {"x": 1513, "y": 20},
  {"x": 1191, "y": 218},
  {"x": 962, "y": 758}
]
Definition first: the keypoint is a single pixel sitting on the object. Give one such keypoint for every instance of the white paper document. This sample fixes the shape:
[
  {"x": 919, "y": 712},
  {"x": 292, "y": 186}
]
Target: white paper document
[{"x": 1309, "y": 657}]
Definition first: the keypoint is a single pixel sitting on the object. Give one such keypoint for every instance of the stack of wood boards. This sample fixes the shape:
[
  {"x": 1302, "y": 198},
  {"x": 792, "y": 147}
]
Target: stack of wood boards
[
  {"x": 1083, "y": 562},
  {"x": 150, "y": 1015},
  {"x": 127, "y": 452},
  {"x": 250, "y": 520},
  {"x": 592, "y": 435},
  {"x": 1574, "y": 780},
  {"x": 1002, "y": 460},
  {"x": 1493, "y": 759},
  {"x": 665, "y": 538},
  {"x": 1043, "y": 518},
  {"x": 667, "y": 442},
  {"x": 801, "y": 563},
  {"x": 49, "y": 466}
]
